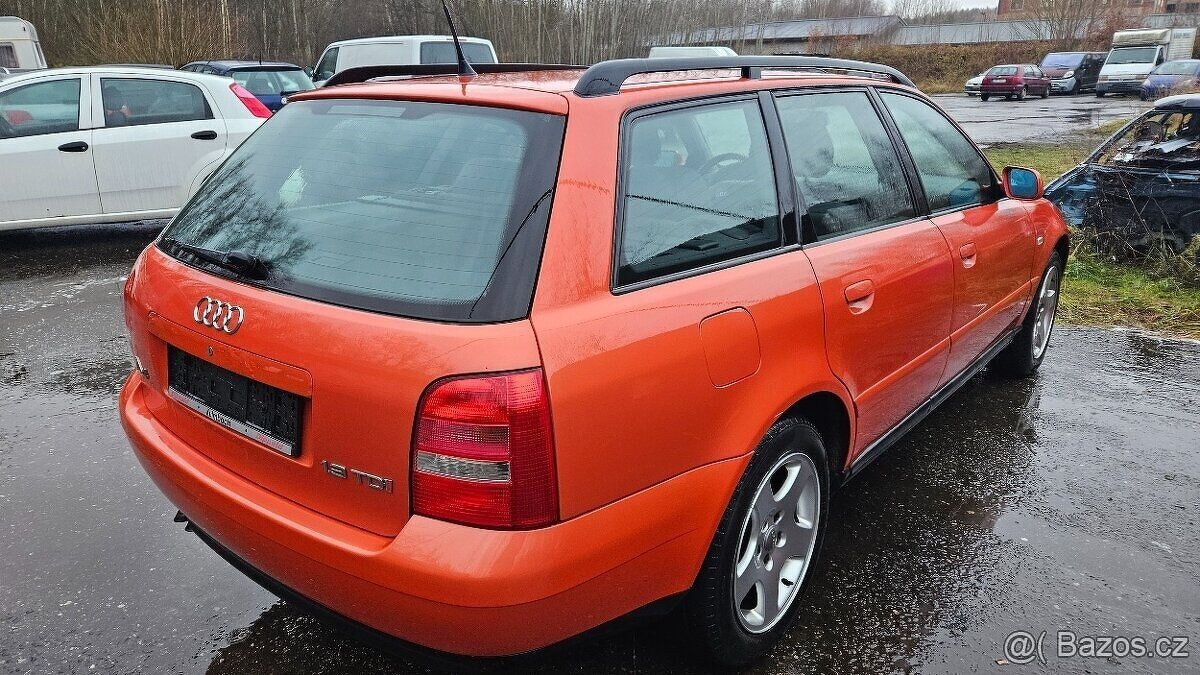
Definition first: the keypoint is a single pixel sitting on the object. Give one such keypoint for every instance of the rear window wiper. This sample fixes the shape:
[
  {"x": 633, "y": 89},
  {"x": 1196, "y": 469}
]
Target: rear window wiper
[{"x": 246, "y": 265}]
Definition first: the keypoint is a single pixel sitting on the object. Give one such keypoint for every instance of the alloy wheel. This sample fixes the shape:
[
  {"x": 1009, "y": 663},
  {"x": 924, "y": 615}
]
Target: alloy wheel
[
  {"x": 776, "y": 544},
  {"x": 1047, "y": 307}
]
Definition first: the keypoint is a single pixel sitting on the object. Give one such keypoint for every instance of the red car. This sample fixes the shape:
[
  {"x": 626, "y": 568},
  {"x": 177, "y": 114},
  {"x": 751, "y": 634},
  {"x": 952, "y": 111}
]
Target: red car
[
  {"x": 1015, "y": 81},
  {"x": 484, "y": 362}
]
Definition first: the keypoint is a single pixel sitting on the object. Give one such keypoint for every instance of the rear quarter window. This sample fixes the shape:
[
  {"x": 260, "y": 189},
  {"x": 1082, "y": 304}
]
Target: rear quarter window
[{"x": 433, "y": 211}]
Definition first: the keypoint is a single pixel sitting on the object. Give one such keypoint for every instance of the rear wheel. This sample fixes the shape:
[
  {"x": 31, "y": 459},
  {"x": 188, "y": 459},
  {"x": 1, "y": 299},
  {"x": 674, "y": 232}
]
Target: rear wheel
[
  {"x": 764, "y": 549},
  {"x": 1022, "y": 93},
  {"x": 1099, "y": 94},
  {"x": 1028, "y": 348},
  {"x": 984, "y": 97}
]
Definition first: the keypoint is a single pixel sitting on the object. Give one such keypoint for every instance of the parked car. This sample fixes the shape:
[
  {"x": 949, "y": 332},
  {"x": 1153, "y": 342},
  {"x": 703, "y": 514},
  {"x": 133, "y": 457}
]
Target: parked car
[
  {"x": 270, "y": 81},
  {"x": 101, "y": 144},
  {"x": 1170, "y": 77},
  {"x": 1136, "y": 53},
  {"x": 398, "y": 50},
  {"x": 974, "y": 85},
  {"x": 1073, "y": 72},
  {"x": 1140, "y": 190},
  {"x": 1015, "y": 81},
  {"x": 397, "y": 376}
]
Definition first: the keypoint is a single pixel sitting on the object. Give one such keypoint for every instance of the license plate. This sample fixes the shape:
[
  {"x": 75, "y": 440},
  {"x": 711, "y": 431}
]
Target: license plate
[
  {"x": 999, "y": 80},
  {"x": 266, "y": 414}
]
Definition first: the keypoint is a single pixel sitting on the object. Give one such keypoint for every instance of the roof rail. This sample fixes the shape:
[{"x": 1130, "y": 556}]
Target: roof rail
[
  {"x": 364, "y": 73},
  {"x": 607, "y": 77}
]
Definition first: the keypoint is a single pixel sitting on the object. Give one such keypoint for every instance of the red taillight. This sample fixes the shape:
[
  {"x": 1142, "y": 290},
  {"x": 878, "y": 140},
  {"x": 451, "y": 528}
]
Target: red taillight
[
  {"x": 252, "y": 104},
  {"x": 483, "y": 452}
]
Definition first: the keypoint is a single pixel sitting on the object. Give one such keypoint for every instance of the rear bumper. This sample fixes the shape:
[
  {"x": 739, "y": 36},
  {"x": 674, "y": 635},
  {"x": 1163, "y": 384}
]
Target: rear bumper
[
  {"x": 439, "y": 585},
  {"x": 1001, "y": 89}
]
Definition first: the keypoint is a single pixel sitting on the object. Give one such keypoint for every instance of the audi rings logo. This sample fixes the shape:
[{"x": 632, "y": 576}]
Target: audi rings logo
[{"x": 218, "y": 315}]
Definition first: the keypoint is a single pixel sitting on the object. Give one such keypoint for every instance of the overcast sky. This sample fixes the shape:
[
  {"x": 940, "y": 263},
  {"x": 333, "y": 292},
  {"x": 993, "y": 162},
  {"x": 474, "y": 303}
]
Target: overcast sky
[{"x": 991, "y": 4}]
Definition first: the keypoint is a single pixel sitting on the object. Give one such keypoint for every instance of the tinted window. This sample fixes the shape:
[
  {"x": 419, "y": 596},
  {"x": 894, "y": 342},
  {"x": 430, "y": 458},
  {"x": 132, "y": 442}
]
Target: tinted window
[
  {"x": 699, "y": 188},
  {"x": 444, "y": 52},
  {"x": 41, "y": 108},
  {"x": 844, "y": 163},
  {"x": 399, "y": 207},
  {"x": 272, "y": 82},
  {"x": 952, "y": 171},
  {"x": 131, "y": 102}
]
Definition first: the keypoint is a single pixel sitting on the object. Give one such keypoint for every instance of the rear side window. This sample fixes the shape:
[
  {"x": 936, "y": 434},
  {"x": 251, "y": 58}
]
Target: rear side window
[
  {"x": 844, "y": 163},
  {"x": 40, "y": 108},
  {"x": 952, "y": 171},
  {"x": 132, "y": 102},
  {"x": 698, "y": 189},
  {"x": 427, "y": 210},
  {"x": 272, "y": 82},
  {"x": 444, "y": 52}
]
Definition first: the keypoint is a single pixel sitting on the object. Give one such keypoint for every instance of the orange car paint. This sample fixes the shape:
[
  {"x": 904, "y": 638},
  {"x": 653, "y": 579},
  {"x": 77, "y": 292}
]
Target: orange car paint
[{"x": 656, "y": 403}]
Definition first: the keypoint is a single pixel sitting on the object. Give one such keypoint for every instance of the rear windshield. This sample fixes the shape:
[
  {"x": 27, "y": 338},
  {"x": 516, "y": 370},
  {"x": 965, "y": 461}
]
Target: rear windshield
[
  {"x": 1003, "y": 70},
  {"x": 1062, "y": 60},
  {"x": 273, "y": 82},
  {"x": 444, "y": 52},
  {"x": 428, "y": 210}
]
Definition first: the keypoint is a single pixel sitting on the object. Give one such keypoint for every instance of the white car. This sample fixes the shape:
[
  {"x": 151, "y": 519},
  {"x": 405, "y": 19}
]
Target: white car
[
  {"x": 398, "y": 50},
  {"x": 113, "y": 143},
  {"x": 974, "y": 85}
]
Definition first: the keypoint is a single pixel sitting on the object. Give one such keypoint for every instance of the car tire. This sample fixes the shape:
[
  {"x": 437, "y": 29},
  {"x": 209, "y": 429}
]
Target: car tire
[
  {"x": 1046, "y": 93},
  {"x": 1024, "y": 356},
  {"x": 1099, "y": 94},
  {"x": 750, "y": 556},
  {"x": 1023, "y": 93},
  {"x": 983, "y": 97}
]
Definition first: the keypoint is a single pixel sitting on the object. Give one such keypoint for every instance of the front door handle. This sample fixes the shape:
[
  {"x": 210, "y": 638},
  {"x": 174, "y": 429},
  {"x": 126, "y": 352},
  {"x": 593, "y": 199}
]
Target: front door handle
[
  {"x": 860, "y": 296},
  {"x": 74, "y": 146},
  {"x": 207, "y": 135},
  {"x": 969, "y": 254}
]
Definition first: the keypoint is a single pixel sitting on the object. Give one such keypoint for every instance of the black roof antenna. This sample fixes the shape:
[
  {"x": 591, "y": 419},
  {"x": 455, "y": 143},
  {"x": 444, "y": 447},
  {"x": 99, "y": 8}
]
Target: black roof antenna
[{"x": 464, "y": 66}]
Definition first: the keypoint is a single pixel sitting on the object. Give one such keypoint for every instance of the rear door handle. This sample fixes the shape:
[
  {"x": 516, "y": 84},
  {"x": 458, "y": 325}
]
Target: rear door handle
[
  {"x": 207, "y": 135},
  {"x": 968, "y": 254},
  {"x": 860, "y": 296},
  {"x": 74, "y": 146}
]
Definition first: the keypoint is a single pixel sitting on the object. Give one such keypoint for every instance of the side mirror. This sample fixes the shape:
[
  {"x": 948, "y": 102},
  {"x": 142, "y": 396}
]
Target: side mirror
[{"x": 1021, "y": 183}]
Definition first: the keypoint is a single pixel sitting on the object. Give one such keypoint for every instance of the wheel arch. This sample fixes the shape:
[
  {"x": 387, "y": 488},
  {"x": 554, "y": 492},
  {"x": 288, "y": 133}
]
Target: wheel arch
[{"x": 831, "y": 415}]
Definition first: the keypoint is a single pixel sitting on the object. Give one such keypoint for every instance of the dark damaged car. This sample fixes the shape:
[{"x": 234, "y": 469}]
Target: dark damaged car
[{"x": 1140, "y": 190}]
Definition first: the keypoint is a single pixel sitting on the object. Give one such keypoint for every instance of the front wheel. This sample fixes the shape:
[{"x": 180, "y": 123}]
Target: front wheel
[
  {"x": 764, "y": 547},
  {"x": 1024, "y": 356},
  {"x": 1046, "y": 93}
]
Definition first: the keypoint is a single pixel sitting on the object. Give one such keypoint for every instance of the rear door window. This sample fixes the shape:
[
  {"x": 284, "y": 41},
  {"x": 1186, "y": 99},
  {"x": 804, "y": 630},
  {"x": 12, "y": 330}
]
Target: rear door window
[
  {"x": 428, "y": 210},
  {"x": 698, "y": 189},
  {"x": 952, "y": 171},
  {"x": 845, "y": 166},
  {"x": 40, "y": 108},
  {"x": 136, "y": 101}
]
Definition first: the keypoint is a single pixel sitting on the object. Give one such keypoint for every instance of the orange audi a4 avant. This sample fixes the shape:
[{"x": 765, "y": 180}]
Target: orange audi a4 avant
[{"x": 479, "y": 364}]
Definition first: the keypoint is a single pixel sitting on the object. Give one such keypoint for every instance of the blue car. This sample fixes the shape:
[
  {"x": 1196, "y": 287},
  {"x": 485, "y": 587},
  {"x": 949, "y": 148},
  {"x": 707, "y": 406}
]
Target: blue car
[
  {"x": 269, "y": 81},
  {"x": 1170, "y": 77}
]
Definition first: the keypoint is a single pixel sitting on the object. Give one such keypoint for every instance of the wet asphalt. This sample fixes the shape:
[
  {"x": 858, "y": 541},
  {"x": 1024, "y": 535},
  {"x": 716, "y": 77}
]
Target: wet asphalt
[
  {"x": 1037, "y": 120},
  {"x": 1068, "y": 501}
]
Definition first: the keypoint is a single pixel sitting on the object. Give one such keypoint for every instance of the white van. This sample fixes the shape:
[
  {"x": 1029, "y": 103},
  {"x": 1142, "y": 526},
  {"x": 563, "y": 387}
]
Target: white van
[
  {"x": 689, "y": 52},
  {"x": 398, "y": 50},
  {"x": 19, "y": 47}
]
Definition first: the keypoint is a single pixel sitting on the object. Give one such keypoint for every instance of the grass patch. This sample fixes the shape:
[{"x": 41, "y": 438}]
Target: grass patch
[
  {"x": 1051, "y": 161},
  {"x": 1098, "y": 292}
]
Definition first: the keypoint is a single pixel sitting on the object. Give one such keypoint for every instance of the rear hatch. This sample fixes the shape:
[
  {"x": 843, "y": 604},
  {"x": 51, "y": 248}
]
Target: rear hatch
[{"x": 393, "y": 243}]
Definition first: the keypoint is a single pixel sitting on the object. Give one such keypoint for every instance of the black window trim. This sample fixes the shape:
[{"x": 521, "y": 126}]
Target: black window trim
[
  {"x": 997, "y": 192},
  {"x": 917, "y": 196},
  {"x": 786, "y": 201}
]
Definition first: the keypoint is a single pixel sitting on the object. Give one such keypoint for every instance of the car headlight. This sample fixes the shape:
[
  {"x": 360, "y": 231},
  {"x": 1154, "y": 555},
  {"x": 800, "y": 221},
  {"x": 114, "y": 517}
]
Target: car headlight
[{"x": 1068, "y": 75}]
